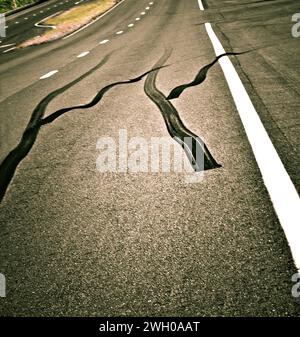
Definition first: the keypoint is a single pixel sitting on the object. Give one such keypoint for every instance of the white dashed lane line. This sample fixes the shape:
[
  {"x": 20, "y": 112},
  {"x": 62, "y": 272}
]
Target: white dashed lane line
[
  {"x": 83, "y": 54},
  {"x": 51, "y": 73},
  {"x": 103, "y": 41}
]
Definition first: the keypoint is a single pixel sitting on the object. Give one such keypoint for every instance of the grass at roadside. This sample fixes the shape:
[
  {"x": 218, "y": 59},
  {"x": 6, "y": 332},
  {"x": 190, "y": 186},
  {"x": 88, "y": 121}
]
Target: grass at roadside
[{"x": 70, "y": 20}]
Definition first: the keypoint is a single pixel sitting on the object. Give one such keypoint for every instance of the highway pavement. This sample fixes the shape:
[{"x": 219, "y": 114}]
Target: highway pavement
[{"x": 78, "y": 242}]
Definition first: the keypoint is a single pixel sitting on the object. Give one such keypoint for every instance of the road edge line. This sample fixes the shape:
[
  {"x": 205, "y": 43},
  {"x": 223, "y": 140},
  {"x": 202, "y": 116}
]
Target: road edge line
[{"x": 283, "y": 194}]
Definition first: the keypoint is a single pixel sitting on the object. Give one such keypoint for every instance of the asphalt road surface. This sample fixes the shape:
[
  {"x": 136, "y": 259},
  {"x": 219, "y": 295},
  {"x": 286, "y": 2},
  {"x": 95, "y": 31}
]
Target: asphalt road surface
[{"x": 75, "y": 241}]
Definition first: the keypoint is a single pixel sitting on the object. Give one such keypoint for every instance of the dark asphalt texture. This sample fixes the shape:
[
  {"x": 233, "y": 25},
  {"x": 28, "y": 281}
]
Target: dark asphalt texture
[{"x": 76, "y": 242}]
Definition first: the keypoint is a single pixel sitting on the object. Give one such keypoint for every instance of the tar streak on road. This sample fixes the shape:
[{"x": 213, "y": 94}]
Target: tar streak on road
[{"x": 194, "y": 149}]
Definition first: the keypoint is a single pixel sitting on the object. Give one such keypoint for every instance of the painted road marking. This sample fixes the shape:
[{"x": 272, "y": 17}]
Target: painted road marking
[
  {"x": 119, "y": 32},
  {"x": 143, "y": 13},
  {"x": 38, "y": 24},
  {"x": 7, "y": 50},
  {"x": 201, "y": 5},
  {"x": 51, "y": 73},
  {"x": 131, "y": 25},
  {"x": 83, "y": 54},
  {"x": 283, "y": 193},
  {"x": 7, "y": 45},
  {"x": 137, "y": 19},
  {"x": 147, "y": 8},
  {"x": 103, "y": 41}
]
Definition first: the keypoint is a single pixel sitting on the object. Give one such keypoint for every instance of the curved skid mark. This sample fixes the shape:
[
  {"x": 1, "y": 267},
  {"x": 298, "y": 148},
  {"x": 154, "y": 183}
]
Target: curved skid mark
[
  {"x": 195, "y": 149},
  {"x": 49, "y": 119},
  {"x": 200, "y": 77},
  {"x": 12, "y": 160},
  {"x": 10, "y": 163}
]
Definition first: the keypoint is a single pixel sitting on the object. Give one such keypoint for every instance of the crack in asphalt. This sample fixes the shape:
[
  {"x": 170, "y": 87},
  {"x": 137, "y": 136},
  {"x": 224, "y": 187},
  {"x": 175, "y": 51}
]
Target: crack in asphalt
[
  {"x": 12, "y": 160},
  {"x": 200, "y": 77},
  {"x": 196, "y": 150}
]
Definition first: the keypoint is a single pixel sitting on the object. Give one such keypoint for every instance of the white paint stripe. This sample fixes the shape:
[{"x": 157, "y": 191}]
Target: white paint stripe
[
  {"x": 282, "y": 192},
  {"x": 143, "y": 13},
  {"x": 119, "y": 32},
  {"x": 38, "y": 24},
  {"x": 98, "y": 18},
  {"x": 83, "y": 54},
  {"x": 51, "y": 73},
  {"x": 7, "y": 45},
  {"x": 131, "y": 25},
  {"x": 7, "y": 50},
  {"x": 137, "y": 19},
  {"x": 201, "y": 5},
  {"x": 103, "y": 41},
  {"x": 147, "y": 8}
]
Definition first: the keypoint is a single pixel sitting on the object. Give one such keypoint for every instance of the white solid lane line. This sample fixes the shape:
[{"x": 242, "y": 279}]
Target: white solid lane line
[
  {"x": 119, "y": 32},
  {"x": 200, "y": 5},
  {"x": 83, "y": 54},
  {"x": 103, "y": 41},
  {"x": 51, "y": 73},
  {"x": 7, "y": 50},
  {"x": 7, "y": 45},
  {"x": 283, "y": 194},
  {"x": 38, "y": 24}
]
